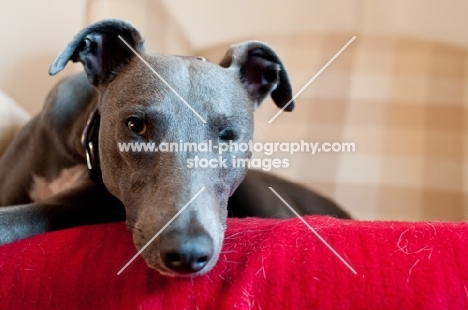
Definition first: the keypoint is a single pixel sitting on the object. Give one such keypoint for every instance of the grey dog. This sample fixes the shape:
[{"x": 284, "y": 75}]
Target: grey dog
[{"x": 64, "y": 167}]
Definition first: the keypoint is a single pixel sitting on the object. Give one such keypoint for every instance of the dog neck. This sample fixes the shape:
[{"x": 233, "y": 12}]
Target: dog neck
[{"x": 90, "y": 142}]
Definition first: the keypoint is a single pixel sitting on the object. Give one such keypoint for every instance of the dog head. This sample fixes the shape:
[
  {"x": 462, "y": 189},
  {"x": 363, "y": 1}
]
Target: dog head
[{"x": 187, "y": 105}]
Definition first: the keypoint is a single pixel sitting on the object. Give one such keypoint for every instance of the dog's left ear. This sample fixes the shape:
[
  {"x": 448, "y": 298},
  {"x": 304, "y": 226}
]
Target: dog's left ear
[
  {"x": 100, "y": 50},
  {"x": 261, "y": 71}
]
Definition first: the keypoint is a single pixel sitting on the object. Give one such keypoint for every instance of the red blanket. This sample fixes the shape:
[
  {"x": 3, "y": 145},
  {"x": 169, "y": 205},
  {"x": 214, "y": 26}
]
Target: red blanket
[{"x": 265, "y": 264}]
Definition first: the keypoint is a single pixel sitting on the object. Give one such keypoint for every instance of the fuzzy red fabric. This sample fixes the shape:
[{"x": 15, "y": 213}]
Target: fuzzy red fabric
[{"x": 265, "y": 264}]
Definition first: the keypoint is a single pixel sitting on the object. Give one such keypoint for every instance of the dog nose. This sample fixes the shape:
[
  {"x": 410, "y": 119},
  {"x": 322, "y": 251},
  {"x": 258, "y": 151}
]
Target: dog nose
[{"x": 186, "y": 255}]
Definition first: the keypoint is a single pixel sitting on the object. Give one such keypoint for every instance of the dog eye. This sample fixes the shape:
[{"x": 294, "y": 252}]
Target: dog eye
[
  {"x": 136, "y": 125},
  {"x": 227, "y": 134}
]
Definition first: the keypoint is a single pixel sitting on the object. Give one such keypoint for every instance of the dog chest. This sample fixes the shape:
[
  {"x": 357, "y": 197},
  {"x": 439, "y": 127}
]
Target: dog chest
[{"x": 67, "y": 179}]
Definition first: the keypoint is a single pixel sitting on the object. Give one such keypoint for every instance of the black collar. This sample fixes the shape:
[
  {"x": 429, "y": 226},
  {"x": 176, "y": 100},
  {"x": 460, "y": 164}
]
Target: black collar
[{"x": 89, "y": 140}]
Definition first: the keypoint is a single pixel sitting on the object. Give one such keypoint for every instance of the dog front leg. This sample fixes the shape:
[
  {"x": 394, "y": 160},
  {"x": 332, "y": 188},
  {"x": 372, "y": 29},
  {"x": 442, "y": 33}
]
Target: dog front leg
[{"x": 87, "y": 204}]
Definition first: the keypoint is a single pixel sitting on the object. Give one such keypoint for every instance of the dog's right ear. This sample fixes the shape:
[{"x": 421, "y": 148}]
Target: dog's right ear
[
  {"x": 262, "y": 72},
  {"x": 100, "y": 50}
]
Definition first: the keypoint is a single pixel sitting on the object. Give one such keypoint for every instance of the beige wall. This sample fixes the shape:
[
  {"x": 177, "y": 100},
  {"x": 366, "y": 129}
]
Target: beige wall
[
  {"x": 161, "y": 32},
  {"x": 209, "y": 22},
  {"x": 33, "y": 33}
]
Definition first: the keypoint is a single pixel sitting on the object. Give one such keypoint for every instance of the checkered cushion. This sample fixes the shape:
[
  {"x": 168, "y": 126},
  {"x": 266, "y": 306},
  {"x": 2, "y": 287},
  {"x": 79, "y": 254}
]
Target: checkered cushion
[{"x": 402, "y": 102}]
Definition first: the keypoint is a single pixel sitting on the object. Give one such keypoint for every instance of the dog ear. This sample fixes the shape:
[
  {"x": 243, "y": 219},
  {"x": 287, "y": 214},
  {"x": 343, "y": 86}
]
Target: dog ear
[
  {"x": 261, "y": 71},
  {"x": 100, "y": 50}
]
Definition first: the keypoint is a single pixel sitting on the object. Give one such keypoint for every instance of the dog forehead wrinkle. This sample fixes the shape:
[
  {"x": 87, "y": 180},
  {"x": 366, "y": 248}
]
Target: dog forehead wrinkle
[
  {"x": 136, "y": 82},
  {"x": 206, "y": 87},
  {"x": 193, "y": 78},
  {"x": 174, "y": 70},
  {"x": 218, "y": 92},
  {"x": 164, "y": 91}
]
